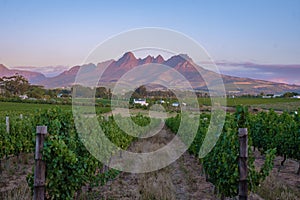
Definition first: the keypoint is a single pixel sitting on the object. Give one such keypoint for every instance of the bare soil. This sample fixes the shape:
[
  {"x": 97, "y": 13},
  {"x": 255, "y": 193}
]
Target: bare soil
[
  {"x": 283, "y": 182},
  {"x": 180, "y": 180},
  {"x": 13, "y": 184}
]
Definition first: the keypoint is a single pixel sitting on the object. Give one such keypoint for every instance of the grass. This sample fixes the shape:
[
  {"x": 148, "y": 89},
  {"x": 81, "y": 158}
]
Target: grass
[
  {"x": 281, "y": 104},
  {"x": 258, "y": 101},
  {"x": 21, "y": 192},
  {"x": 13, "y": 185},
  {"x": 31, "y": 107},
  {"x": 273, "y": 188},
  {"x": 285, "y": 106},
  {"x": 157, "y": 185},
  {"x": 231, "y": 102}
]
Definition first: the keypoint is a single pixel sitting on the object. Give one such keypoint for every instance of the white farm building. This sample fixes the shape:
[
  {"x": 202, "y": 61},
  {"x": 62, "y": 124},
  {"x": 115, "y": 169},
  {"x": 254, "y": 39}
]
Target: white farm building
[{"x": 140, "y": 101}]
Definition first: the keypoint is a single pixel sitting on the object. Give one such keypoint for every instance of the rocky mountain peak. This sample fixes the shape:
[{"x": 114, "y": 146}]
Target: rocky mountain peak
[
  {"x": 127, "y": 60},
  {"x": 159, "y": 59}
]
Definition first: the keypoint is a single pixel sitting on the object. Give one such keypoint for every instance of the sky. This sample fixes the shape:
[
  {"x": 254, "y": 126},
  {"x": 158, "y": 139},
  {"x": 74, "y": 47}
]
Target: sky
[{"x": 62, "y": 33}]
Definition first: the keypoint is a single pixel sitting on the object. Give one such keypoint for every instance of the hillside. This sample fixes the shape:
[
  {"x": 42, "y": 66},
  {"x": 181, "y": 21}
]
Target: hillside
[
  {"x": 33, "y": 77},
  {"x": 182, "y": 63}
]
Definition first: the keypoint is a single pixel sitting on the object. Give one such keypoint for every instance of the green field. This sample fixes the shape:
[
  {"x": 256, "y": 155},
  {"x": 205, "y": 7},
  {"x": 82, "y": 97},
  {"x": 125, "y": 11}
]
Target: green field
[
  {"x": 283, "y": 104},
  {"x": 256, "y": 101},
  {"x": 29, "y": 107},
  {"x": 32, "y": 107}
]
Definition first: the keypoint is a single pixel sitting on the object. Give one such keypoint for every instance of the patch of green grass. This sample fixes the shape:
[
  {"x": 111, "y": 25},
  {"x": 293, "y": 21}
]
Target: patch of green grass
[
  {"x": 28, "y": 107},
  {"x": 256, "y": 101},
  {"x": 285, "y": 106},
  {"x": 232, "y": 102},
  {"x": 31, "y": 107}
]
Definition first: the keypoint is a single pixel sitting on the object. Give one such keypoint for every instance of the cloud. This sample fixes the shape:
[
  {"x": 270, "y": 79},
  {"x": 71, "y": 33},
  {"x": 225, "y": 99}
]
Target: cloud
[
  {"x": 277, "y": 73},
  {"x": 48, "y": 71},
  {"x": 229, "y": 68},
  {"x": 280, "y": 80}
]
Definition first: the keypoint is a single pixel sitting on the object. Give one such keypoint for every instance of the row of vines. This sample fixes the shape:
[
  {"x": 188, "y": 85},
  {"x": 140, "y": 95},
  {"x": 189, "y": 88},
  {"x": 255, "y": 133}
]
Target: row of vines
[
  {"x": 69, "y": 164},
  {"x": 273, "y": 134},
  {"x": 19, "y": 138},
  {"x": 280, "y": 131}
]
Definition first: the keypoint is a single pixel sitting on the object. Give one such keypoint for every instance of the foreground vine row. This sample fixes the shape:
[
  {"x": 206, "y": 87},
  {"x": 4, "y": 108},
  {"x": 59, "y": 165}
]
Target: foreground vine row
[
  {"x": 71, "y": 166},
  {"x": 273, "y": 134}
]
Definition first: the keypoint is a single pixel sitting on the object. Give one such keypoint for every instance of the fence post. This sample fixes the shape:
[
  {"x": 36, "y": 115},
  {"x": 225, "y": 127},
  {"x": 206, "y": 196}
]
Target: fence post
[
  {"x": 40, "y": 165},
  {"x": 243, "y": 170},
  {"x": 7, "y": 124}
]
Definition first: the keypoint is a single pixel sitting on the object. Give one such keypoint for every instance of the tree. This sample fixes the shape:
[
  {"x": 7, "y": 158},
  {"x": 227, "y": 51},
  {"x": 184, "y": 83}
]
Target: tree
[
  {"x": 101, "y": 92},
  {"x": 51, "y": 93},
  {"x": 289, "y": 94},
  {"x": 82, "y": 91},
  {"x": 36, "y": 91},
  {"x": 14, "y": 85},
  {"x": 140, "y": 92}
]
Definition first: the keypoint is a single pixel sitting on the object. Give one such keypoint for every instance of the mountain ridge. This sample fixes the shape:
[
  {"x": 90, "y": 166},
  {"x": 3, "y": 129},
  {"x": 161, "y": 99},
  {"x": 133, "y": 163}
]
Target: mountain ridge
[
  {"x": 34, "y": 77},
  {"x": 182, "y": 63}
]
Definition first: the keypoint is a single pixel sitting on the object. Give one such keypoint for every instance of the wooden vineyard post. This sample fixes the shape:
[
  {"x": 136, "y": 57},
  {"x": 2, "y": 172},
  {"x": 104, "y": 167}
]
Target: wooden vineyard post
[
  {"x": 40, "y": 165},
  {"x": 243, "y": 170},
  {"x": 7, "y": 124}
]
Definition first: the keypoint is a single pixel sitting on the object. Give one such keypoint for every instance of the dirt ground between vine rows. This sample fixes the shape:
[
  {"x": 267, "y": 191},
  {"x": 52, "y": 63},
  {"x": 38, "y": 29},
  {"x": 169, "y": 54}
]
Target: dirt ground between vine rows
[
  {"x": 180, "y": 180},
  {"x": 13, "y": 183},
  {"x": 183, "y": 179},
  {"x": 283, "y": 182}
]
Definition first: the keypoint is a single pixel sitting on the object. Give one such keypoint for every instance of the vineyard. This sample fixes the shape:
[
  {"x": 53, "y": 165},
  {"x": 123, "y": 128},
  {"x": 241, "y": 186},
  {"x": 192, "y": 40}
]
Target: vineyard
[{"x": 72, "y": 170}]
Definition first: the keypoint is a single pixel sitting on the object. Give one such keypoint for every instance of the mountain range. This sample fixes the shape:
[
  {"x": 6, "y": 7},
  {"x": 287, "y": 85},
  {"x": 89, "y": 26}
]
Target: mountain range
[{"x": 182, "y": 63}]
